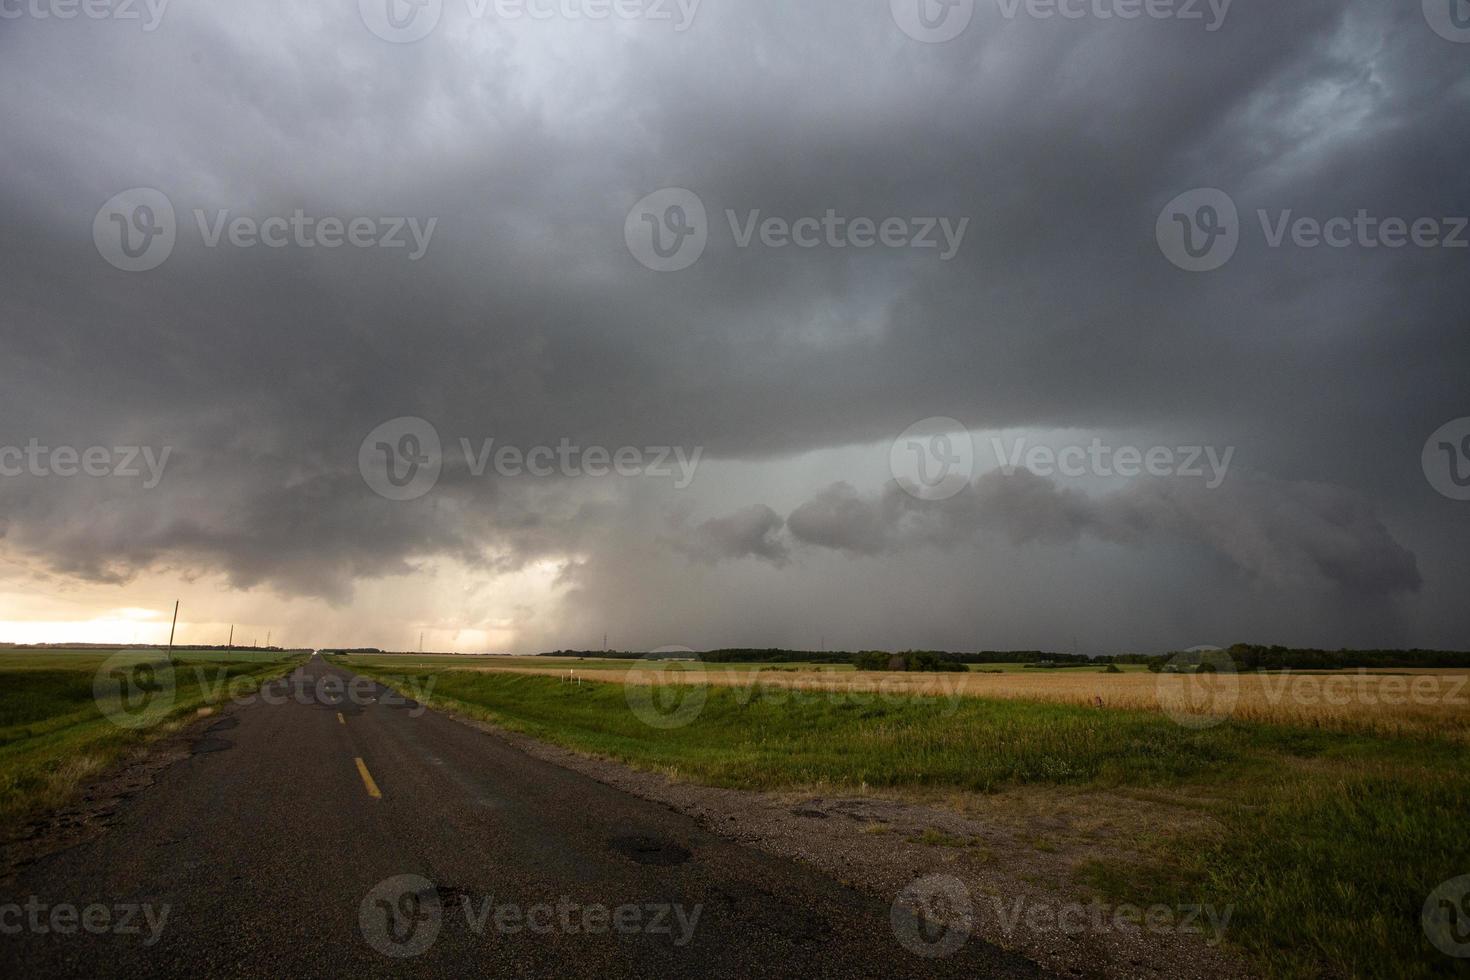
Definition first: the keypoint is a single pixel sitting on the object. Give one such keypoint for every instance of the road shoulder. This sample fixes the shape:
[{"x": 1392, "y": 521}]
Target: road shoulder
[{"x": 1017, "y": 853}]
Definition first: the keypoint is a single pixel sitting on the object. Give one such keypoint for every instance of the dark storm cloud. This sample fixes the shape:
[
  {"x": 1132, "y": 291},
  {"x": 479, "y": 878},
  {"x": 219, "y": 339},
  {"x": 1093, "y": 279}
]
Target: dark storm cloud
[
  {"x": 753, "y": 532},
  {"x": 528, "y": 320},
  {"x": 1285, "y": 535}
]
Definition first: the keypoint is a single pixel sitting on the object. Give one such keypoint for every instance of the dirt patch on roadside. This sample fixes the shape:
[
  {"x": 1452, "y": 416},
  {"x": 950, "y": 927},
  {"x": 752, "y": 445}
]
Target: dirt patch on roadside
[
  {"x": 95, "y": 802},
  {"x": 1018, "y": 854}
]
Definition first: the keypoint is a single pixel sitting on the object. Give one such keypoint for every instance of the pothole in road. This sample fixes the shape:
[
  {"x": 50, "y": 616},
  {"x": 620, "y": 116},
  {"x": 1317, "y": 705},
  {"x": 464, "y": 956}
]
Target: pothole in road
[
  {"x": 212, "y": 745},
  {"x": 224, "y": 724},
  {"x": 645, "y": 849}
]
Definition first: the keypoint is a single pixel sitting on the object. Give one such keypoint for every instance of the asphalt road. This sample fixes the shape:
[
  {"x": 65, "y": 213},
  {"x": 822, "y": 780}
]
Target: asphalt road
[{"x": 322, "y": 837}]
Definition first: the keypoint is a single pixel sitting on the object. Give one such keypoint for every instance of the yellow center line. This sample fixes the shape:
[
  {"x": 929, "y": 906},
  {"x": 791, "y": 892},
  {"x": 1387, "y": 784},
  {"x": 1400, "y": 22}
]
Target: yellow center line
[
  {"x": 367, "y": 780},
  {"x": 340, "y": 718}
]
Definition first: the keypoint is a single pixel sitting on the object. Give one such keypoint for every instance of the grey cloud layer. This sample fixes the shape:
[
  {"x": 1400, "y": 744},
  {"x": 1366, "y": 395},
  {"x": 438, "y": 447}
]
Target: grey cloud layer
[
  {"x": 527, "y": 320},
  {"x": 1284, "y": 535}
]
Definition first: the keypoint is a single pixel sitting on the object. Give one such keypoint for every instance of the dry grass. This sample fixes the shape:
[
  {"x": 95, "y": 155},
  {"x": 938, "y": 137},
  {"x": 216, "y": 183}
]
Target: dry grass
[{"x": 1413, "y": 703}]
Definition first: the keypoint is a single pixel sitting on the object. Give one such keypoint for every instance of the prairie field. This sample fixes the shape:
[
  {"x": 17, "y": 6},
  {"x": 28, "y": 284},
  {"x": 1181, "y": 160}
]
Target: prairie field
[
  {"x": 1328, "y": 821},
  {"x": 59, "y": 724},
  {"x": 1371, "y": 701}
]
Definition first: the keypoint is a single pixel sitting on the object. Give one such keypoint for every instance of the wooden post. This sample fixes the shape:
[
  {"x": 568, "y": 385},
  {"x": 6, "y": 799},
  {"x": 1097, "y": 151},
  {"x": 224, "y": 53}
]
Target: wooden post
[{"x": 171, "y": 631}]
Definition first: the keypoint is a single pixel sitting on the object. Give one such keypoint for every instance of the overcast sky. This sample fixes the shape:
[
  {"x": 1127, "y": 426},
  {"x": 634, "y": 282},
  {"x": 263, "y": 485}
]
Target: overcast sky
[{"x": 302, "y": 255}]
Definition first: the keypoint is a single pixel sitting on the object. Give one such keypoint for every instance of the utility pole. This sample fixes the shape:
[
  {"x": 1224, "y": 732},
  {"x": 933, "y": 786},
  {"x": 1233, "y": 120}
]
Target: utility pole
[{"x": 171, "y": 631}]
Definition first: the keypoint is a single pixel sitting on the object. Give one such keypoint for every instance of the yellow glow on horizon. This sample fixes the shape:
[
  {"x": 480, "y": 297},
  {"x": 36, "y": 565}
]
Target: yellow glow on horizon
[
  {"x": 456, "y": 608},
  {"x": 103, "y": 629}
]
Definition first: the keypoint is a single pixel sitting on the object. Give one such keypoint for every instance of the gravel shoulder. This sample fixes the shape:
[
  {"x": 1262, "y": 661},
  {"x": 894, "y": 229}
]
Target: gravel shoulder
[{"x": 1017, "y": 853}]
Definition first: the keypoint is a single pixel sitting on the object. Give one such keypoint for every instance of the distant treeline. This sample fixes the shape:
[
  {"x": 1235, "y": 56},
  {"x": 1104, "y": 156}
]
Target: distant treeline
[
  {"x": 1244, "y": 656},
  {"x": 1249, "y": 656},
  {"x": 716, "y": 656}
]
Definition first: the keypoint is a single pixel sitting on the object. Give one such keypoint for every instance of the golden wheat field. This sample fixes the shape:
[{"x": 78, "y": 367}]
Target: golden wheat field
[{"x": 1375, "y": 701}]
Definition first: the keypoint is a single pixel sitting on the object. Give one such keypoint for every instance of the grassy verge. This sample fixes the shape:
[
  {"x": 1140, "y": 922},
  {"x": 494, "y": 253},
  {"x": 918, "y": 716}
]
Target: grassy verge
[
  {"x": 55, "y": 730},
  {"x": 1328, "y": 843}
]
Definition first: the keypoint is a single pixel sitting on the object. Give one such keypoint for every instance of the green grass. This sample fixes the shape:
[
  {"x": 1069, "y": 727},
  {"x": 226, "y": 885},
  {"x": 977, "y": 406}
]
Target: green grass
[
  {"x": 1327, "y": 844},
  {"x": 55, "y": 730},
  {"x": 420, "y": 661}
]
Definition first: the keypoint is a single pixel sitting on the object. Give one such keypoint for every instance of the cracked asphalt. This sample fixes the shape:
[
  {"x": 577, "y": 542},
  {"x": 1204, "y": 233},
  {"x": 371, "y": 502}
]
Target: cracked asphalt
[{"x": 325, "y": 835}]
